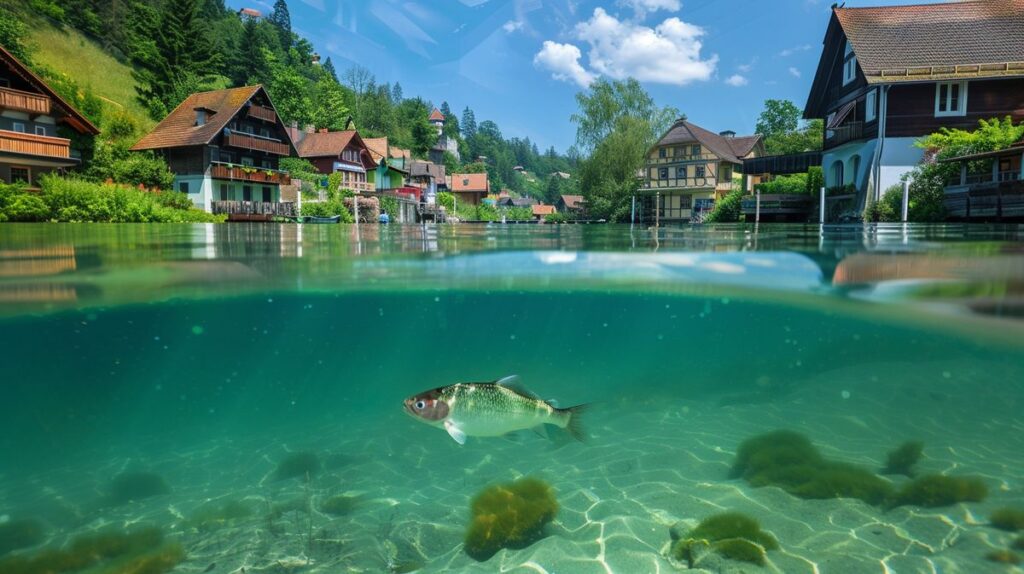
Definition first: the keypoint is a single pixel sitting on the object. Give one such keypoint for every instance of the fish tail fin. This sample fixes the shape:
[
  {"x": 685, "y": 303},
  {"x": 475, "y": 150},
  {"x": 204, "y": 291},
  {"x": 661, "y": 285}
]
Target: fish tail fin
[{"x": 574, "y": 425}]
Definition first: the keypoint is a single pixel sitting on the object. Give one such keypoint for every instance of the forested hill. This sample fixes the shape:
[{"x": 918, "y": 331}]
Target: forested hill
[{"x": 126, "y": 63}]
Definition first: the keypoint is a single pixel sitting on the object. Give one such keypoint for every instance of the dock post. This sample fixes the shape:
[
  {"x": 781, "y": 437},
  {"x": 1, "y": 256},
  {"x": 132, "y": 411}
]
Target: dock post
[
  {"x": 906, "y": 201},
  {"x": 632, "y": 212},
  {"x": 821, "y": 206},
  {"x": 757, "y": 207}
]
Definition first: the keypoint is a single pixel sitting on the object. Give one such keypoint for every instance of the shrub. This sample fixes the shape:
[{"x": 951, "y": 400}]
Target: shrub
[
  {"x": 389, "y": 205},
  {"x": 26, "y": 206},
  {"x": 519, "y": 214},
  {"x": 785, "y": 184},
  {"x": 556, "y": 218},
  {"x": 71, "y": 199},
  {"x": 728, "y": 209},
  {"x": 446, "y": 200}
]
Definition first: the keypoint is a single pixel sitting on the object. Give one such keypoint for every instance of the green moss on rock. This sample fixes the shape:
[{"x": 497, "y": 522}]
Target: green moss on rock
[
  {"x": 732, "y": 535},
  {"x": 935, "y": 490},
  {"x": 1011, "y": 519},
  {"x": 509, "y": 516},
  {"x": 904, "y": 458},
  {"x": 1003, "y": 557}
]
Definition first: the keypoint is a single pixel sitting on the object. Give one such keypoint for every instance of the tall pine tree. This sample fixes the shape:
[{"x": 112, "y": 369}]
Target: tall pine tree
[
  {"x": 183, "y": 58},
  {"x": 283, "y": 20},
  {"x": 329, "y": 68},
  {"x": 396, "y": 93},
  {"x": 468, "y": 123}
]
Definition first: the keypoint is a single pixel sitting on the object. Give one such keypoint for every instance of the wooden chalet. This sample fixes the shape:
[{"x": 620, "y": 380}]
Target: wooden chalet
[
  {"x": 223, "y": 148},
  {"x": 890, "y": 75},
  {"x": 689, "y": 168},
  {"x": 470, "y": 188},
  {"x": 338, "y": 152},
  {"x": 33, "y": 121}
]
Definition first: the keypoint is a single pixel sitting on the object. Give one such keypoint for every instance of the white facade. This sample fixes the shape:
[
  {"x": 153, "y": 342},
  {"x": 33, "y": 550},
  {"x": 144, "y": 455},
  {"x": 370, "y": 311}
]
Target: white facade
[
  {"x": 204, "y": 190},
  {"x": 897, "y": 157}
]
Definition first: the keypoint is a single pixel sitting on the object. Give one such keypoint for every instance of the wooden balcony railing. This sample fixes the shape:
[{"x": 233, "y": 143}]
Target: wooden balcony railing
[
  {"x": 262, "y": 113},
  {"x": 17, "y": 142},
  {"x": 679, "y": 183},
  {"x": 844, "y": 133},
  {"x": 279, "y": 208},
  {"x": 24, "y": 101},
  {"x": 359, "y": 186},
  {"x": 244, "y": 173},
  {"x": 247, "y": 141}
]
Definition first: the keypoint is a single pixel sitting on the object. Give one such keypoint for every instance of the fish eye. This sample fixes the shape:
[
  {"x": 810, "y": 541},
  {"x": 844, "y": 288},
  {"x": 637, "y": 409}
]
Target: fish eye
[{"x": 420, "y": 405}]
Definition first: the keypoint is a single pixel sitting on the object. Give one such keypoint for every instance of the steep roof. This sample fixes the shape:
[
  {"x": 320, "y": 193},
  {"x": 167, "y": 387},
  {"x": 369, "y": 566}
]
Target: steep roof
[
  {"x": 399, "y": 152},
  {"x": 378, "y": 148},
  {"x": 980, "y": 38},
  {"x": 572, "y": 201},
  {"x": 323, "y": 144},
  {"x": 542, "y": 209},
  {"x": 427, "y": 169},
  {"x": 727, "y": 148},
  {"x": 73, "y": 118},
  {"x": 436, "y": 116},
  {"x": 179, "y": 128},
  {"x": 467, "y": 182}
]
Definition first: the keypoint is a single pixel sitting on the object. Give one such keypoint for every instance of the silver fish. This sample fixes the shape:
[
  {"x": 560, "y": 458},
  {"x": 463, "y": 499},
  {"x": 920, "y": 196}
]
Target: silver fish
[{"x": 490, "y": 409}]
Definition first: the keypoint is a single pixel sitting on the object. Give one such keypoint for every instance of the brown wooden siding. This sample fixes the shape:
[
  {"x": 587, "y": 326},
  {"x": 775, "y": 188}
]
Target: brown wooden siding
[
  {"x": 246, "y": 141},
  {"x": 17, "y": 142},
  {"x": 186, "y": 161},
  {"x": 911, "y": 107},
  {"x": 24, "y": 101}
]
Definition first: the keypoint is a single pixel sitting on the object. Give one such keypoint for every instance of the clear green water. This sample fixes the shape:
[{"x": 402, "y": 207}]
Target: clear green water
[{"x": 208, "y": 354}]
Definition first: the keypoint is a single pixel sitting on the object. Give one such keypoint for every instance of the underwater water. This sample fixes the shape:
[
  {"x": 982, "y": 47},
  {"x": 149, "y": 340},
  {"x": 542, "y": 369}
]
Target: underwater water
[{"x": 228, "y": 398}]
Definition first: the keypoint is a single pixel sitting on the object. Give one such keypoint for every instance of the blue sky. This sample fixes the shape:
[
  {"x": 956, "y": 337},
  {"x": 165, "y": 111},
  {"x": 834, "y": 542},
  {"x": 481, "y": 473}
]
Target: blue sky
[{"x": 521, "y": 62}]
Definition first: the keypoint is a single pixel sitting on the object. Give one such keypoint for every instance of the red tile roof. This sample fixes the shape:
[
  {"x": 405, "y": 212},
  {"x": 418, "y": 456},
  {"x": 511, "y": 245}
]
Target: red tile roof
[
  {"x": 731, "y": 149},
  {"x": 378, "y": 148},
  {"x": 572, "y": 201},
  {"x": 542, "y": 209},
  {"x": 470, "y": 182},
  {"x": 904, "y": 43},
  {"x": 179, "y": 128},
  {"x": 323, "y": 144},
  {"x": 74, "y": 118},
  {"x": 436, "y": 116}
]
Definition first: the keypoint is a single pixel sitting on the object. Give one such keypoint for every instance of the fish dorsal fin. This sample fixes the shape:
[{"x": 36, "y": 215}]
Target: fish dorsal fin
[{"x": 513, "y": 383}]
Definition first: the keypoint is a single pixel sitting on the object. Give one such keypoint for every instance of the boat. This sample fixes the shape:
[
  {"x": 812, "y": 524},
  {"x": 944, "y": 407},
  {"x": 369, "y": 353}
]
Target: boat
[{"x": 315, "y": 219}]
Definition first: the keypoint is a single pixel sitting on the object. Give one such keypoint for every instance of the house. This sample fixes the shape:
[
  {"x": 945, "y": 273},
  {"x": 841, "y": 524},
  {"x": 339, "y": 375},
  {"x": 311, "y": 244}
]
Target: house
[
  {"x": 399, "y": 158},
  {"x": 33, "y": 123},
  {"x": 386, "y": 176},
  {"x": 541, "y": 211},
  {"x": 427, "y": 176},
  {"x": 689, "y": 168},
  {"x": 570, "y": 204},
  {"x": 444, "y": 143},
  {"x": 337, "y": 152},
  {"x": 250, "y": 13},
  {"x": 889, "y": 75},
  {"x": 990, "y": 186},
  {"x": 562, "y": 174},
  {"x": 470, "y": 187},
  {"x": 506, "y": 201},
  {"x": 223, "y": 147}
]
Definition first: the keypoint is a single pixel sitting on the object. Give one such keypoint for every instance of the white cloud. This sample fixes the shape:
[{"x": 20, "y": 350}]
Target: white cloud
[
  {"x": 564, "y": 62},
  {"x": 736, "y": 80},
  {"x": 745, "y": 68},
  {"x": 794, "y": 72},
  {"x": 512, "y": 26},
  {"x": 790, "y": 51},
  {"x": 644, "y": 6}
]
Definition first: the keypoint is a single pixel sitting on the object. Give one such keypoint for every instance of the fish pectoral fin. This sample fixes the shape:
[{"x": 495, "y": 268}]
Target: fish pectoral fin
[
  {"x": 455, "y": 432},
  {"x": 513, "y": 383},
  {"x": 542, "y": 431}
]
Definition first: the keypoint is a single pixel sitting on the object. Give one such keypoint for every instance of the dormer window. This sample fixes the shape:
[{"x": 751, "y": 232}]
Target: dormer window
[{"x": 200, "y": 117}]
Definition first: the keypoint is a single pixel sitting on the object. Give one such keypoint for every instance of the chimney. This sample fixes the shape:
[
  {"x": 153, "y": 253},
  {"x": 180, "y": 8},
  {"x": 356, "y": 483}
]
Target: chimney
[
  {"x": 294, "y": 132},
  {"x": 727, "y": 134}
]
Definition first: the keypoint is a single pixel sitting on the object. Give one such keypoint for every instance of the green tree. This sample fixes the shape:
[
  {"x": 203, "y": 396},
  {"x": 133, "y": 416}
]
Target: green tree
[
  {"x": 282, "y": 20},
  {"x": 330, "y": 110},
  {"x": 778, "y": 117},
  {"x": 329, "y": 68},
  {"x": 288, "y": 90},
  {"x": 553, "y": 191},
  {"x": 468, "y": 123},
  {"x": 183, "y": 56},
  {"x": 13, "y": 35},
  {"x": 779, "y": 124},
  {"x": 249, "y": 64},
  {"x": 606, "y": 102},
  {"x": 396, "y": 93}
]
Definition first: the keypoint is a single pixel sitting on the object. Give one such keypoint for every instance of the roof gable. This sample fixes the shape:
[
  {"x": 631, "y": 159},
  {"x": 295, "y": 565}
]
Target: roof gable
[
  {"x": 469, "y": 182},
  {"x": 730, "y": 149},
  {"x": 179, "y": 128},
  {"x": 436, "y": 116},
  {"x": 73, "y": 118}
]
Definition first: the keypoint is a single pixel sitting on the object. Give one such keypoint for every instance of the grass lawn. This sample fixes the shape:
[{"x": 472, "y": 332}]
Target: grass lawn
[{"x": 69, "y": 52}]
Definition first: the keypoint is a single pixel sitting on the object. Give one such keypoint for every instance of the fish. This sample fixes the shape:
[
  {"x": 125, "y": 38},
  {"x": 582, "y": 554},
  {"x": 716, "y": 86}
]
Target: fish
[{"x": 491, "y": 409}]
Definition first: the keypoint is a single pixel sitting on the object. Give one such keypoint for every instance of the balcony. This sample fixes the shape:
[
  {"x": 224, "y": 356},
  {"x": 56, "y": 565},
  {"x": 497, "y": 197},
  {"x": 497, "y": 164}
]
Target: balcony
[
  {"x": 845, "y": 133},
  {"x": 245, "y": 173},
  {"x": 262, "y": 113},
  {"x": 359, "y": 186},
  {"x": 782, "y": 164},
  {"x": 249, "y": 141},
  {"x": 30, "y": 144},
  {"x": 679, "y": 183},
  {"x": 20, "y": 101},
  {"x": 254, "y": 210}
]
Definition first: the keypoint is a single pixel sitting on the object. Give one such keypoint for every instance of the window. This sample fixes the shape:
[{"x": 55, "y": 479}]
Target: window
[
  {"x": 246, "y": 193},
  {"x": 698, "y": 171},
  {"x": 871, "y": 106},
  {"x": 268, "y": 195},
  {"x": 663, "y": 173},
  {"x": 695, "y": 150},
  {"x": 950, "y": 99},
  {"x": 265, "y": 132},
  {"x": 849, "y": 70},
  {"x": 662, "y": 152},
  {"x": 225, "y": 156},
  {"x": 726, "y": 173},
  {"x": 183, "y": 187},
  {"x": 849, "y": 49},
  {"x": 19, "y": 127},
  {"x": 854, "y": 168},
  {"x": 22, "y": 174},
  {"x": 200, "y": 117},
  {"x": 40, "y": 130},
  {"x": 681, "y": 172},
  {"x": 223, "y": 192},
  {"x": 5, "y": 83},
  {"x": 247, "y": 161},
  {"x": 837, "y": 174}
]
